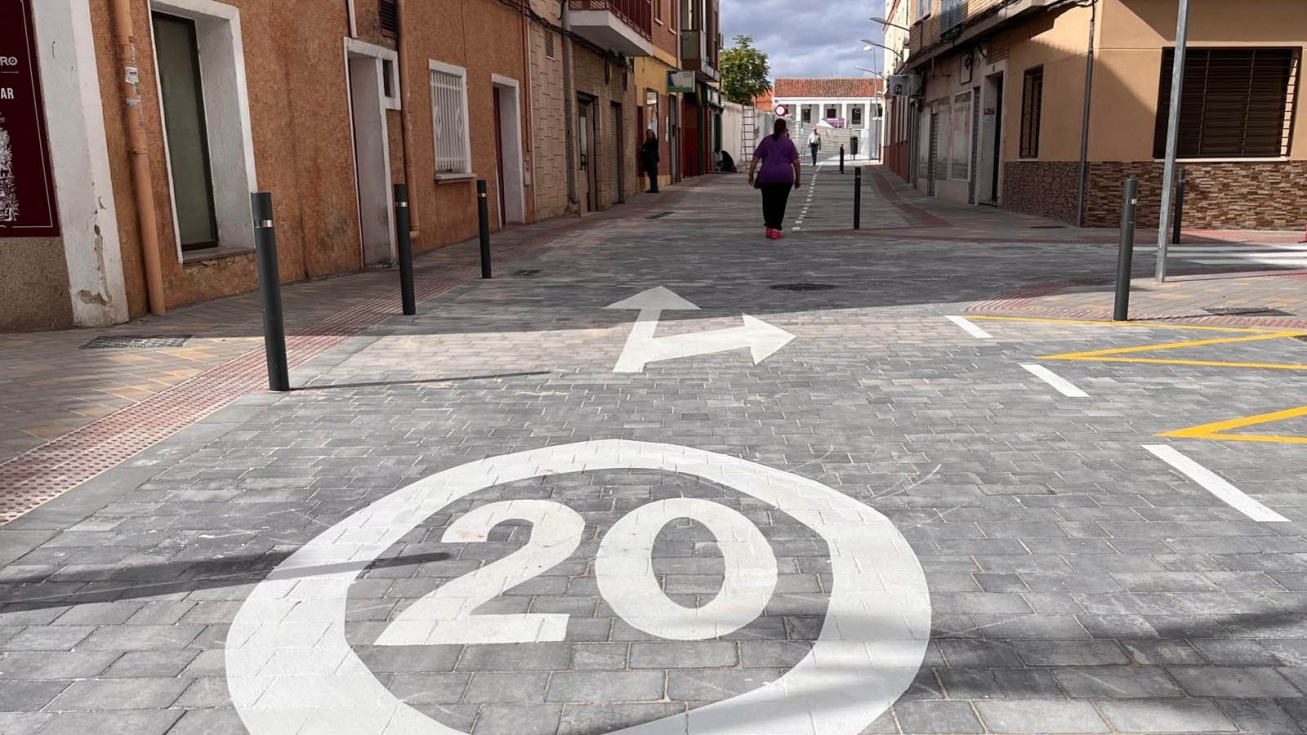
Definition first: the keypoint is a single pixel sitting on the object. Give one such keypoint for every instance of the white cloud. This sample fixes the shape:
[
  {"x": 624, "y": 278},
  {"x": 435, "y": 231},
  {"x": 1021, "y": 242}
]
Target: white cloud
[{"x": 808, "y": 38}]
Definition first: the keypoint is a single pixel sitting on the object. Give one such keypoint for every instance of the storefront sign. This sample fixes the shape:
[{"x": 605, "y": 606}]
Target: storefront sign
[
  {"x": 27, "y": 206},
  {"x": 680, "y": 81}
]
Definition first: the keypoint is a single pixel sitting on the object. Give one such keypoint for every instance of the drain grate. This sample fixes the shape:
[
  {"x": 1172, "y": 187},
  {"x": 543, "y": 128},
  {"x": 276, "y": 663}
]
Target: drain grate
[
  {"x": 136, "y": 342},
  {"x": 526, "y": 272},
  {"x": 1247, "y": 311},
  {"x": 804, "y": 287},
  {"x": 660, "y": 215}
]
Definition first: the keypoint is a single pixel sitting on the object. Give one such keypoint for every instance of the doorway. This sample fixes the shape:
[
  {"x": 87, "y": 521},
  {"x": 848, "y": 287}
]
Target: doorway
[
  {"x": 182, "y": 92},
  {"x": 587, "y": 136},
  {"x": 510, "y": 162},
  {"x": 991, "y": 161},
  {"x": 367, "y": 98}
]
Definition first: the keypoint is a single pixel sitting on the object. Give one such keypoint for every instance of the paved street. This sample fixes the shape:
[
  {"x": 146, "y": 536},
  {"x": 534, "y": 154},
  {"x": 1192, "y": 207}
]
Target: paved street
[{"x": 662, "y": 475}]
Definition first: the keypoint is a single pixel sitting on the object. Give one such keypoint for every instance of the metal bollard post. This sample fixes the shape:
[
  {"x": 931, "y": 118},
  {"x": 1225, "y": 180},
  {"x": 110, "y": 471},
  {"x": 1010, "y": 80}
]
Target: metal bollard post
[
  {"x": 1179, "y": 208},
  {"x": 483, "y": 215},
  {"x": 274, "y": 325},
  {"x": 857, "y": 198},
  {"x": 1126, "y": 256},
  {"x": 403, "y": 236},
  {"x": 841, "y": 158}
]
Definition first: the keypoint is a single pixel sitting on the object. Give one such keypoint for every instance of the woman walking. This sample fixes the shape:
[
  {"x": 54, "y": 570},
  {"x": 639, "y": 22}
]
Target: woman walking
[
  {"x": 780, "y": 173},
  {"x": 649, "y": 159}
]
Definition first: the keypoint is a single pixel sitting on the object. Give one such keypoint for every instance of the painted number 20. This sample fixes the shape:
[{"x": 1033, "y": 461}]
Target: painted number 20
[{"x": 623, "y": 569}]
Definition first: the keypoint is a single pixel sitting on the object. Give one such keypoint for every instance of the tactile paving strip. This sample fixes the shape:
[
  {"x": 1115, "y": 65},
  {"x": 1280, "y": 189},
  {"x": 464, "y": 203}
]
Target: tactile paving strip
[{"x": 48, "y": 471}]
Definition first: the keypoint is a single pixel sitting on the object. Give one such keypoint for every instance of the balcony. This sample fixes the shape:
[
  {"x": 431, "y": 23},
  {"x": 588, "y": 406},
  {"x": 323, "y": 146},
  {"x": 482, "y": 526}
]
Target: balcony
[
  {"x": 620, "y": 26},
  {"x": 699, "y": 53}
]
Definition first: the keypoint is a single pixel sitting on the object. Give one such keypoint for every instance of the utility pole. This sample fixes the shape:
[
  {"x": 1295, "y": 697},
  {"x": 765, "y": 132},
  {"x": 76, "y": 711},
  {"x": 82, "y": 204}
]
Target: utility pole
[{"x": 1172, "y": 137}]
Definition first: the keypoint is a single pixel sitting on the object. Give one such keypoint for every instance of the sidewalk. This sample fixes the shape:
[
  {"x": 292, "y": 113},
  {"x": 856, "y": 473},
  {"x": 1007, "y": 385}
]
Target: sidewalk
[{"x": 76, "y": 402}]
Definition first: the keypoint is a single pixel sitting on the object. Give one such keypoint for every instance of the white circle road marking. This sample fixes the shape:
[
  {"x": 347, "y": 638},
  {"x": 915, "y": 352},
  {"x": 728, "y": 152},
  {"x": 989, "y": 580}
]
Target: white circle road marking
[{"x": 291, "y": 670}]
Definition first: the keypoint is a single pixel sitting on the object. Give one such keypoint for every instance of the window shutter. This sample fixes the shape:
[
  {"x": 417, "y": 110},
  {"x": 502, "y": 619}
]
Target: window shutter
[
  {"x": 388, "y": 17},
  {"x": 1236, "y": 103}
]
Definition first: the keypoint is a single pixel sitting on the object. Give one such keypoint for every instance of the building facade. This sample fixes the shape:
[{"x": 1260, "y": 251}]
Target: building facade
[
  {"x": 898, "y": 111},
  {"x": 1008, "y": 88},
  {"x": 132, "y": 134},
  {"x": 844, "y": 110}
]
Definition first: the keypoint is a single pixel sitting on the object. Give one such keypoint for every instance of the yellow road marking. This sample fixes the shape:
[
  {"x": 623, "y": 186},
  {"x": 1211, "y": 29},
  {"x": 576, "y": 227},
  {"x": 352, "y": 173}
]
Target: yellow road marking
[
  {"x": 1112, "y": 355},
  {"x": 1217, "y": 431},
  {"x": 1148, "y": 325}
]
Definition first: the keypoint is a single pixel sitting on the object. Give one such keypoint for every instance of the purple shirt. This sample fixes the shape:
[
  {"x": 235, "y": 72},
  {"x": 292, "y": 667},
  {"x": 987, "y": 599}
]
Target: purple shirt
[{"x": 778, "y": 157}]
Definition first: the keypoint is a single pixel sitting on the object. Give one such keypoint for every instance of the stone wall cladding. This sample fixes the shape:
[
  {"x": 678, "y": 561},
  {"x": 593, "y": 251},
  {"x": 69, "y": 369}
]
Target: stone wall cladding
[
  {"x": 1253, "y": 195},
  {"x": 1043, "y": 188},
  {"x": 548, "y": 135},
  {"x": 607, "y": 81}
]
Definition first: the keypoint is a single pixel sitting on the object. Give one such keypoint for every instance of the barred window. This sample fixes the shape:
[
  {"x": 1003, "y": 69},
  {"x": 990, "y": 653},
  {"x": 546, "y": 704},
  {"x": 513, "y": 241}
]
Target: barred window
[
  {"x": 1236, "y": 102},
  {"x": 1032, "y": 104},
  {"x": 449, "y": 113}
]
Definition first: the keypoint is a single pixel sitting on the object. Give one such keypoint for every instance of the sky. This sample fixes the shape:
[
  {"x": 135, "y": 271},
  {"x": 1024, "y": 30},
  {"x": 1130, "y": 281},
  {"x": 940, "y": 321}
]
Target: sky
[{"x": 808, "y": 38}]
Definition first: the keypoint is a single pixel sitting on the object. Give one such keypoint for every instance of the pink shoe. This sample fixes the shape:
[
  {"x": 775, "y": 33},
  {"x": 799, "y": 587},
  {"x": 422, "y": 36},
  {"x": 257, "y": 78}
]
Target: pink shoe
[
  {"x": 778, "y": 235},
  {"x": 771, "y": 234}
]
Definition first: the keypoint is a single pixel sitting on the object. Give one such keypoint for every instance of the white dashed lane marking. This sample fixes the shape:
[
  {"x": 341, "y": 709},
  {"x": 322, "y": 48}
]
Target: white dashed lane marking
[
  {"x": 1062, "y": 385},
  {"x": 1214, "y": 484},
  {"x": 970, "y": 328}
]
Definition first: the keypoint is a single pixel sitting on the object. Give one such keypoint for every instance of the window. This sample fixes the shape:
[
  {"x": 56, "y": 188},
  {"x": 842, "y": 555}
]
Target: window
[
  {"x": 387, "y": 78},
  {"x": 951, "y": 14},
  {"x": 923, "y": 9},
  {"x": 1032, "y": 103},
  {"x": 960, "y": 144},
  {"x": 856, "y": 114},
  {"x": 178, "y": 58},
  {"x": 805, "y": 115},
  {"x": 549, "y": 44},
  {"x": 831, "y": 112},
  {"x": 1236, "y": 103},
  {"x": 449, "y": 113},
  {"x": 388, "y": 17}
]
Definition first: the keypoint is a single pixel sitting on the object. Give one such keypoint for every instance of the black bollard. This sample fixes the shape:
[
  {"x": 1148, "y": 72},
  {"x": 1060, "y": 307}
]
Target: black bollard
[
  {"x": 274, "y": 325},
  {"x": 403, "y": 235},
  {"x": 1125, "y": 258},
  {"x": 483, "y": 215},
  {"x": 857, "y": 198},
  {"x": 841, "y": 158},
  {"x": 1179, "y": 208}
]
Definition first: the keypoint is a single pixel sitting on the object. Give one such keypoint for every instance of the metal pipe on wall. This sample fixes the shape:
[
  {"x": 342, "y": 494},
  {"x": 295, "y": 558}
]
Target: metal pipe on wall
[
  {"x": 138, "y": 151},
  {"x": 1084, "y": 130},
  {"x": 569, "y": 103},
  {"x": 406, "y": 118}
]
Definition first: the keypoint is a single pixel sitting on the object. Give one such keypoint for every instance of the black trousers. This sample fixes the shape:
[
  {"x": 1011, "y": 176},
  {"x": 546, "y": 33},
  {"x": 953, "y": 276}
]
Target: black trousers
[
  {"x": 814, "y": 149},
  {"x": 652, "y": 172},
  {"x": 774, "y": 199}
]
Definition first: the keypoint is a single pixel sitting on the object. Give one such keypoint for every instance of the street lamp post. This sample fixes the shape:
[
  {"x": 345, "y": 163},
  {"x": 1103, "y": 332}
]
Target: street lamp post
[
  {"x": 1172, "y": 136},
  {"x": 884, "y": 22}
]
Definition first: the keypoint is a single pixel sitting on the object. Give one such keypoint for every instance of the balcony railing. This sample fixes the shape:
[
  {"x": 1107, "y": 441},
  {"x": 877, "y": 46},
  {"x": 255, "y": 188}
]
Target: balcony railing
[{"x": 638, "y": 14}]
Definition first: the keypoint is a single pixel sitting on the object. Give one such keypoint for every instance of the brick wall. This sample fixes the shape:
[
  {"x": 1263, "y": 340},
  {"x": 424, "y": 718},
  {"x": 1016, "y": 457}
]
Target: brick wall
[
  {"x": 1043, "y": 188},
  {"x": 607, "y": 80},
  {"x": 549, "y": 144},
  {"x": 1218, "y": 196}
]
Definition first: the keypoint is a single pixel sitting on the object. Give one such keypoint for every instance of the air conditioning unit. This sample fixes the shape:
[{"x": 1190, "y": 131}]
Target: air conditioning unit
[{"x": 904, "y": 85}]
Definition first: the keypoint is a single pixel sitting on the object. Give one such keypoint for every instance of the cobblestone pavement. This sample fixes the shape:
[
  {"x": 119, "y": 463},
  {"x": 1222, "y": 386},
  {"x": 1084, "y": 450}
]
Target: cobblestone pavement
[{"x": 853, "y": 512}]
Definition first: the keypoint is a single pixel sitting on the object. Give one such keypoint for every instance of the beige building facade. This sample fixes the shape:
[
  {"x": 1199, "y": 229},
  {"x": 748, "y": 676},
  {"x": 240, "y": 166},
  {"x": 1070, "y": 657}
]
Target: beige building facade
[{"x": 1007, "y": 88}]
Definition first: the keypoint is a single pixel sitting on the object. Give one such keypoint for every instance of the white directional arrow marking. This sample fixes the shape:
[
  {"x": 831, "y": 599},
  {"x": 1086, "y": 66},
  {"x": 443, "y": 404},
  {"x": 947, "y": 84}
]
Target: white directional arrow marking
[{"x": 761, "y": 339}]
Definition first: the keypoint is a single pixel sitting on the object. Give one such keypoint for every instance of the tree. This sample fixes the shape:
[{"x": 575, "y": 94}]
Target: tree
[{"x": 745, "y": 72}]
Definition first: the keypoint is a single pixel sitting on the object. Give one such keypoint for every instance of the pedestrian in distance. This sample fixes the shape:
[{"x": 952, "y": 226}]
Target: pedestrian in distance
[
  {"x": 814, "y": 144},
  {"x": 781, "y": 172},
  {"x": 649, "y": 159}
]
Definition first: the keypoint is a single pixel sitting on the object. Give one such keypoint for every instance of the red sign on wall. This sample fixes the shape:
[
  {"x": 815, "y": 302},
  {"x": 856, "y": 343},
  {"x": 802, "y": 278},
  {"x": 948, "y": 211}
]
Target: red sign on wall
[{"x": 27, "y": 203}]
